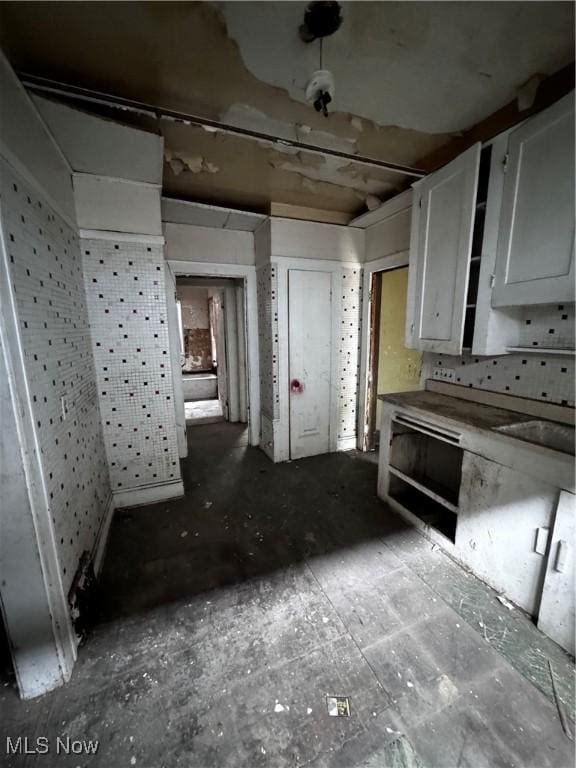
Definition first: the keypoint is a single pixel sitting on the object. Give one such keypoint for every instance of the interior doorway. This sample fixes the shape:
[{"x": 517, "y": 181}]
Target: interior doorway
[
  {"x": 212, "y": 335},
  {"x": 391, "y": 366},
  {"x": 7, "y": 674}
]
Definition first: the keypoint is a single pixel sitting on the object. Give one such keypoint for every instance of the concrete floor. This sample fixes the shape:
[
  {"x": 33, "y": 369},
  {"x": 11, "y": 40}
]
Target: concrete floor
[
  {"x": 203, "y": 412},
  {"x": 228, "y": 616}
]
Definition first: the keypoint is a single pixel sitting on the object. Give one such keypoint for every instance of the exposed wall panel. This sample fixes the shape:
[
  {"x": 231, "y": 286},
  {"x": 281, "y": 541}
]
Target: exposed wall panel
[
  {"x": 46, "y": 272},
  {"x": 116, "y": 206},
  {"x": 311, "y": 240},
  {"x": 29, "y": 143},
  {"x": 127, "y": 307},
  {"x": 389, "y": 236},
  {"x": 221, "y": 246},
  {"x": 95, "y": 145}
]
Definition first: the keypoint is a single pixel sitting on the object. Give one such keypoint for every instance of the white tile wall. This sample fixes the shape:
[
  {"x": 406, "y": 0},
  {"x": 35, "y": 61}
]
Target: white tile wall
[
  {"x": 550, "y": 326},
  {"x": 549, "y": 378},
  {"x": 349, "y": 351},
  {"x": 534, "y": 375},
  {"x": 267, "y": 295},
  {"x": 127, "y": 308},
  {"x": 46, "y": 273}
]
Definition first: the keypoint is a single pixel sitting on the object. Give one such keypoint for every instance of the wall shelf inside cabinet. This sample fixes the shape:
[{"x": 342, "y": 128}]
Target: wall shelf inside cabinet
[
  {"x": 543, "y": 351},
  {"x": 429, "y": 487}
]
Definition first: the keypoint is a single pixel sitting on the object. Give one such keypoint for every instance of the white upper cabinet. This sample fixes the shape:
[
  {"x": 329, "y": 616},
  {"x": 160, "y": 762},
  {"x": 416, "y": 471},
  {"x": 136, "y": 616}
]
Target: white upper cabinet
[
  {"x": 535, "y": 255},
  {"x": 443, "y": 217}
]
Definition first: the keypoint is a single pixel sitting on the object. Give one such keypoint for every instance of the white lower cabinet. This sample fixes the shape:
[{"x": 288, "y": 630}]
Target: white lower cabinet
[
  {"x": 503, "y": 528},
  {"x": 556, "y": 614},
  {"x": 514, "y": 531}
]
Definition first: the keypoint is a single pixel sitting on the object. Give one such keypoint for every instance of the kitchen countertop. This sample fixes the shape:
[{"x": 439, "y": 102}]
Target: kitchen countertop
[
  {"x": 478, "y": 425},
  {"x": 463, "y": 411}
]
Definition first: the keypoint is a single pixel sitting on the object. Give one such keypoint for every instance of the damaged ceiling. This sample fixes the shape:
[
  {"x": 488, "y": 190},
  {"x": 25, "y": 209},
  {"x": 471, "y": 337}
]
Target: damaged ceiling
[{"x": 411, "y": 77}]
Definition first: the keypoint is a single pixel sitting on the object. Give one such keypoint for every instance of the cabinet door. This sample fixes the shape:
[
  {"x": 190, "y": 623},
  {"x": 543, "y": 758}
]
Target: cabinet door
[
  {"x": 535, "y": 259},
  {"x": 556, "y": 615},
  {"x": 503, "y": 522},
  {"x": 440, "y": 246}
]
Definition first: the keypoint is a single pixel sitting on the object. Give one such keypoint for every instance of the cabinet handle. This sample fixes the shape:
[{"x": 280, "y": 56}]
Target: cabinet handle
[{"x": 561, "y": 556}]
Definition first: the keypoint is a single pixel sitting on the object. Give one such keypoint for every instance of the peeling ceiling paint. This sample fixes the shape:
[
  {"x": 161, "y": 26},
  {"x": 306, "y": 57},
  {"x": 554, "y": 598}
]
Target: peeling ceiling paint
[
  {"x": 184, "y": 162},
  {"x": 425, "y": 66},
  {"x": 402, "y": 63}
]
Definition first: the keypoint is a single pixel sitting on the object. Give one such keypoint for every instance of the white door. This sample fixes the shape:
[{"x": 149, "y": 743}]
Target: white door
[
  {"x": 310, "y": 331},
  {"x": 535, "y": 259},
  {"x": 556, "y": 615},
  {"x": 444, "y": 207}
]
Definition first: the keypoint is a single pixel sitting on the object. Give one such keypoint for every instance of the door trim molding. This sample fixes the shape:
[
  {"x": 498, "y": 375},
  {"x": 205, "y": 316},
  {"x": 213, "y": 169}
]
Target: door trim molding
[
  {"x": 248, "y": 274},
  {"x": 385, "y": 263}
]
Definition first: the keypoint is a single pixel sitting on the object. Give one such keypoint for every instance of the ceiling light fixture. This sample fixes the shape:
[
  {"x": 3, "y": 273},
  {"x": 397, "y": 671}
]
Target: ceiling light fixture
[{"x": 321, "y": 20}]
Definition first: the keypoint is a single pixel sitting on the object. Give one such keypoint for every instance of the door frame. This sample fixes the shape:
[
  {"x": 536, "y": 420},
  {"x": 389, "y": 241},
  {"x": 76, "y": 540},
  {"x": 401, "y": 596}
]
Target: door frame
[
  {"x": 283, "y": 264},
  {"x": 176, "y": 346},
  {"x": 248, "y": 275},
  {"x": 383, "y": 264}
]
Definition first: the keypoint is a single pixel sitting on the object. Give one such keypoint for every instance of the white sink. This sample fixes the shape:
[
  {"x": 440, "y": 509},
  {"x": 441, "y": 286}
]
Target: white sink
[{"x": 559, "y": 437}]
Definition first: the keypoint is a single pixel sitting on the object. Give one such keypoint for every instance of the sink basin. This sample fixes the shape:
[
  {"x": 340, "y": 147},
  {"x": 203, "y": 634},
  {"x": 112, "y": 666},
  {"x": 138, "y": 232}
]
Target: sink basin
[{"x": 559, "y": 437}]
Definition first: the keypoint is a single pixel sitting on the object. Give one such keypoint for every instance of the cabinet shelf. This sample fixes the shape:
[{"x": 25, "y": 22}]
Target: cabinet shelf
[
  {"x": 544, "y": 350},
  {"x": 429, "y": 487}
]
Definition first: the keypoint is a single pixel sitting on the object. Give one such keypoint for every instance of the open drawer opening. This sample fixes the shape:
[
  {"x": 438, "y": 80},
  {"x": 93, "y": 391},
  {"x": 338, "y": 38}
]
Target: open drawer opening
[
  {"x": 432, "y": 463},
  {"x": 429, "y": 510}
]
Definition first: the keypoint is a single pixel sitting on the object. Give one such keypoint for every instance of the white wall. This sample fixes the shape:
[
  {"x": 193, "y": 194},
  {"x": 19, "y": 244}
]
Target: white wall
[
  {"x": 293, "y": 238},
  {"x": 391, "y": 234},
  {"x": 117, "y": 170},
  {"x": 29, "y": 147},
  {"x": 58, "y": 486},
  {"x": 115, "y": 205},
  {"x": 202, "y": 244},
  {"x": 263, "y": 243},
  {"x": 127, "y": 306}
]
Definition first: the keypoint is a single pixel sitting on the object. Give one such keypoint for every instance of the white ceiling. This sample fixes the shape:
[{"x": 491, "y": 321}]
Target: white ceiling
[{"x": 429, "y": 66}]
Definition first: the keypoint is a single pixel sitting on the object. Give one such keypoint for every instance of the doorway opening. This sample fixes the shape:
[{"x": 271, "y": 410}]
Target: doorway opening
[
  {"x": 212, "y": 333},
  {"x": 392, "y": 367},
  {"x": 7, "y": 674}
]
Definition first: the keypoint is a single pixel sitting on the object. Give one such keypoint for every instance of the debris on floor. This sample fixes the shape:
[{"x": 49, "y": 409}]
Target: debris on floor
[
  {"x": 505, "y": 603},
  {"x": 338, "y": 706}
]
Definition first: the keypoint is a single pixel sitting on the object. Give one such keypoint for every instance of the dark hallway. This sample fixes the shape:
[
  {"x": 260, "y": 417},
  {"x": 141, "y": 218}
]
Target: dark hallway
[{"x": 232, "y": 613}]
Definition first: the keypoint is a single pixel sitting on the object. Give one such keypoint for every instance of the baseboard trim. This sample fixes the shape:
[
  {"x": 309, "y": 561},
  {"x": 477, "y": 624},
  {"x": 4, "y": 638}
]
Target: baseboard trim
[
  {"x": 102, "y": 539},
  {"x": 346, "y": 443},
  {"x": 152, "y": 494}
]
